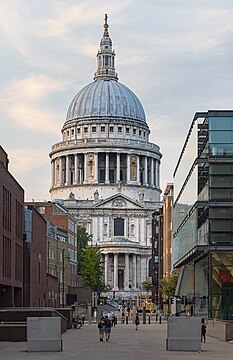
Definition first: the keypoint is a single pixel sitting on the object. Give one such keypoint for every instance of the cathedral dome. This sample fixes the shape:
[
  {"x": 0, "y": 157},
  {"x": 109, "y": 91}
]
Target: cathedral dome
[{"x": 105, "y": 98}]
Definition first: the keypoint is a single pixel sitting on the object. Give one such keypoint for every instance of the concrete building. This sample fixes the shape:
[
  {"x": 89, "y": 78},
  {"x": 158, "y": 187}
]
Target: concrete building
[
  {"x": 107, "y": 172},
  {"x": 11, "y": 236},
  {"x": 203, "y": 215}
]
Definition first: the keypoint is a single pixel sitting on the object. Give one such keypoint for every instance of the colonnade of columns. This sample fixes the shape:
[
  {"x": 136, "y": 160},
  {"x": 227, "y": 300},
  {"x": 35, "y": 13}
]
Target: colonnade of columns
[
  {"x": 125, "y": 275},
  {"x": 104, "y": 168}
]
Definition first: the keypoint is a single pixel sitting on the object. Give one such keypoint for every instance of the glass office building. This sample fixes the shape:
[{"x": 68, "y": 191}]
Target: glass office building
[{"x": 203, "y": 215}]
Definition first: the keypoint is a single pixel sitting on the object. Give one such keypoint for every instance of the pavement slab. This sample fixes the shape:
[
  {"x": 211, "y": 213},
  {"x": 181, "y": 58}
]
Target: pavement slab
[{"x": 125, "y": 344}]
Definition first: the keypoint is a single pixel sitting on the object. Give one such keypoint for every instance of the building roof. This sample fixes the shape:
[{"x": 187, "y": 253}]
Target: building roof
[{"x": 105, "y": 96}]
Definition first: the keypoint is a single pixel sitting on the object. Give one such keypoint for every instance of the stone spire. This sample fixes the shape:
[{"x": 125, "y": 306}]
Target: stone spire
[{"x": 105, "y": 57}]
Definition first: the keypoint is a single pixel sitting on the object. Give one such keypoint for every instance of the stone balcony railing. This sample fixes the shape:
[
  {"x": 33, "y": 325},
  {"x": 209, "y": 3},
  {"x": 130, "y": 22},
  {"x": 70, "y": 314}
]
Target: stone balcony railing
[{"x": 87, "y": 143}]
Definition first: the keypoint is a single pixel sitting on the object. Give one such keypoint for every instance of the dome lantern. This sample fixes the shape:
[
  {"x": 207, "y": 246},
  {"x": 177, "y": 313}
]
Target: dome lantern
[{"x": 105, "y": 57}]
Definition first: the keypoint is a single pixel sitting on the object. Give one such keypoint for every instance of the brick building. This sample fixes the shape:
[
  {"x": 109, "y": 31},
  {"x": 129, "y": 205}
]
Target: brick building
[
  {"x": 11, "y": 236},
  {"x": 40, "y": 289},
  {"x": 59, "y": 216}
]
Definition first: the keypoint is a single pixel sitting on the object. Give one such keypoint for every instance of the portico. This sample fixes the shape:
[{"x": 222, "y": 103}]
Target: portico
[{"x": 123, "y": 271}]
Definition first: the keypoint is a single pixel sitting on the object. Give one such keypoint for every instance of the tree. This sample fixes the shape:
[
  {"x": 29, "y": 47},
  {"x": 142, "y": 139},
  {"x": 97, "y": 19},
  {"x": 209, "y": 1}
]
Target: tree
[
  {"x": 91, "y": 268},
  {"x": 147, "y": 285},
  {"x": 82, "y": 241},
  {"x": 168, "y": 286}
]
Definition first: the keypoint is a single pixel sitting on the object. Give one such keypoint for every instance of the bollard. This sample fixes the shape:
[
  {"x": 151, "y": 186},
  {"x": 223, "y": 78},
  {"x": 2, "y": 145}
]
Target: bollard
[
  {"x": 156, "y": 316},
  {"x": 149, "y": 319},
  {"x": 160, "y": 319},
  {"x": 127, "y": 320},
  {"x": 144, "y": 315}
]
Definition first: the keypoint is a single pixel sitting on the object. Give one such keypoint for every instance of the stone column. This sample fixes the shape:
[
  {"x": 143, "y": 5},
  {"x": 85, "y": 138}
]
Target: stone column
[
  {"x": 139, "y": 271},
  {"x": 145, "y": 170},
  {"x": 52, "y": 173},
  {"x": 61, "y": 172},
  {"x": 107, "y": 168},
  {"x": 76, "y": 168},
  {"x": 143, "y": 268},
  {"x": 157, "y": 174},
  {"x": 106, "y": 269},
  {"x": 67, "y": 170},
  {"x": 85, "y": 169},
  {"x": 152, "y": 172},
  {"x": 134, "y": 282},
  {"x": 126, "y": 284},
  {"x": 138, "y": 169},
  {"x": 118, "y": 168},
  {"x": 128, "y": 168},
  {"x": 115, "y": 274},
  {"x": 96, "y": 167}
]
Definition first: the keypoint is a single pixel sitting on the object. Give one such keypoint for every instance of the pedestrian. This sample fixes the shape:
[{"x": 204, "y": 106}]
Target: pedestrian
[
  {"x": 101, "y": 325},
  {"x": 123, "y": 317},
  {"x": 107, "y": 328},
  {"x": 137, "y": 321},
  {"x": 113, "y": 319},
  {"x": 203, "y": 330}
]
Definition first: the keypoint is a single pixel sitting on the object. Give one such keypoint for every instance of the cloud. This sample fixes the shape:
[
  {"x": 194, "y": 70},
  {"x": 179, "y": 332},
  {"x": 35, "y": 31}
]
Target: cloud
[
  {"x": 25, "y": 160},
  {"x": 86, "y": 12},
  {"x": 23, "y": 102}
]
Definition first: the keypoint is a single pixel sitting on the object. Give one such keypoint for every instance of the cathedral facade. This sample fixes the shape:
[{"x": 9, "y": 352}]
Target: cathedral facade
[{"x": 106, "y": 172}]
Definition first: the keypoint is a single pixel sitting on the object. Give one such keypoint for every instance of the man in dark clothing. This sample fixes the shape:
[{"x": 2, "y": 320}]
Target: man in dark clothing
[
  {"x": 107, "y": 328},
  {"x": 203, "y": 330}
]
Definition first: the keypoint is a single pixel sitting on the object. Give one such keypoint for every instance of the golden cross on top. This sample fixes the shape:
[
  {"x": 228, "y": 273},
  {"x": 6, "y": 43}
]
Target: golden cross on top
[{"x": 106, "y": 25}]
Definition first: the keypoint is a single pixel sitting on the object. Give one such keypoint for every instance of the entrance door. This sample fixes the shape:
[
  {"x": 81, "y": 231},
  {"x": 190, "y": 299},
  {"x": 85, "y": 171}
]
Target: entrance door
[{"x": 121, "y": 279}]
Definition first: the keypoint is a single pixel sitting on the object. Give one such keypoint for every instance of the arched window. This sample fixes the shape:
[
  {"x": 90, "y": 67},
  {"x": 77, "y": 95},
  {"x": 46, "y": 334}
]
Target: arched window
[{"x": 118, "y": 227}]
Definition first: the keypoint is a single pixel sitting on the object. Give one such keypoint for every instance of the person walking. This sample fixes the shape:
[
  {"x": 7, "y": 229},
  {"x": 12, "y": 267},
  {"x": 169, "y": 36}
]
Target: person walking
[
  {"x": 101, "y": 325},
  {"x": 123, "y": 317},
  {"x": 137, "y": 321},
  {"x": 107, "y": 328},
  {"x": 203, "y": 330}
]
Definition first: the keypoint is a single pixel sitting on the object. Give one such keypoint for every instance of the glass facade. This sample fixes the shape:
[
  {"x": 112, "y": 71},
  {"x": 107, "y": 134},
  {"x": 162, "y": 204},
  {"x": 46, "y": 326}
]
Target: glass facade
[
  {"x": 185, "y": 196},
  {"x": 203, "y": 214}
]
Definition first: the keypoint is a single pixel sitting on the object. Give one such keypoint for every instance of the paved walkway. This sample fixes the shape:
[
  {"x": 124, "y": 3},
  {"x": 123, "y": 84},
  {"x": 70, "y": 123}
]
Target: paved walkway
[{"x": 125, "y": 344}]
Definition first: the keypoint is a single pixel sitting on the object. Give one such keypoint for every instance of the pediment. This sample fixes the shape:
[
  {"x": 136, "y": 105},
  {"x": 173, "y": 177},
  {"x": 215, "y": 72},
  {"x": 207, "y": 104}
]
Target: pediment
[{"x": 119, "y": 201}]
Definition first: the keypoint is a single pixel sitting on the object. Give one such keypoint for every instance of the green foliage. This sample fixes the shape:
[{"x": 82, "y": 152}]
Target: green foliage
[
  {"x": 91, "y": 268},
  {"x": 82, "y": 241},
  {"x": 168, "y": 286},
  {"x": 146, "y": 285}
]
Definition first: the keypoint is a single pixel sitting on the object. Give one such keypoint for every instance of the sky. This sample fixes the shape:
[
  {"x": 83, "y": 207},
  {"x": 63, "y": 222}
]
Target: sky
[{"x": 175, "y": 55}]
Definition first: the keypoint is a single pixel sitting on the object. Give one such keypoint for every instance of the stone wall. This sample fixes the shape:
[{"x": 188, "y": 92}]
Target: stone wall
[{"x": 220, "y": 330}]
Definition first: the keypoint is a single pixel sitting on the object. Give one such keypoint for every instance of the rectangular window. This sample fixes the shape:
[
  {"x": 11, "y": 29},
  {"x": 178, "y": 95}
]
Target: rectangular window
[
  {"x": 102, "y": 176},
  {"x": 78, "y": 130},
  {"x": 111, "y": 129},
  {"x": 140, "y": 132},
  {"x": 134, "y": 131},
  {"x": 119, "y": 227},
  {"x": 111, "y": 176},
  {"x": 127, "y": 130},
  {"x": 119, "y": 129},
  {"x": 106, "y": 60},
  {"x": 102, "y": 129},
  {"x": 93, "y": 129},
  {"x": 72, "y": 132},
  {"x": 85, "y": 129},
  {"x": 6, "y": 257}
]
